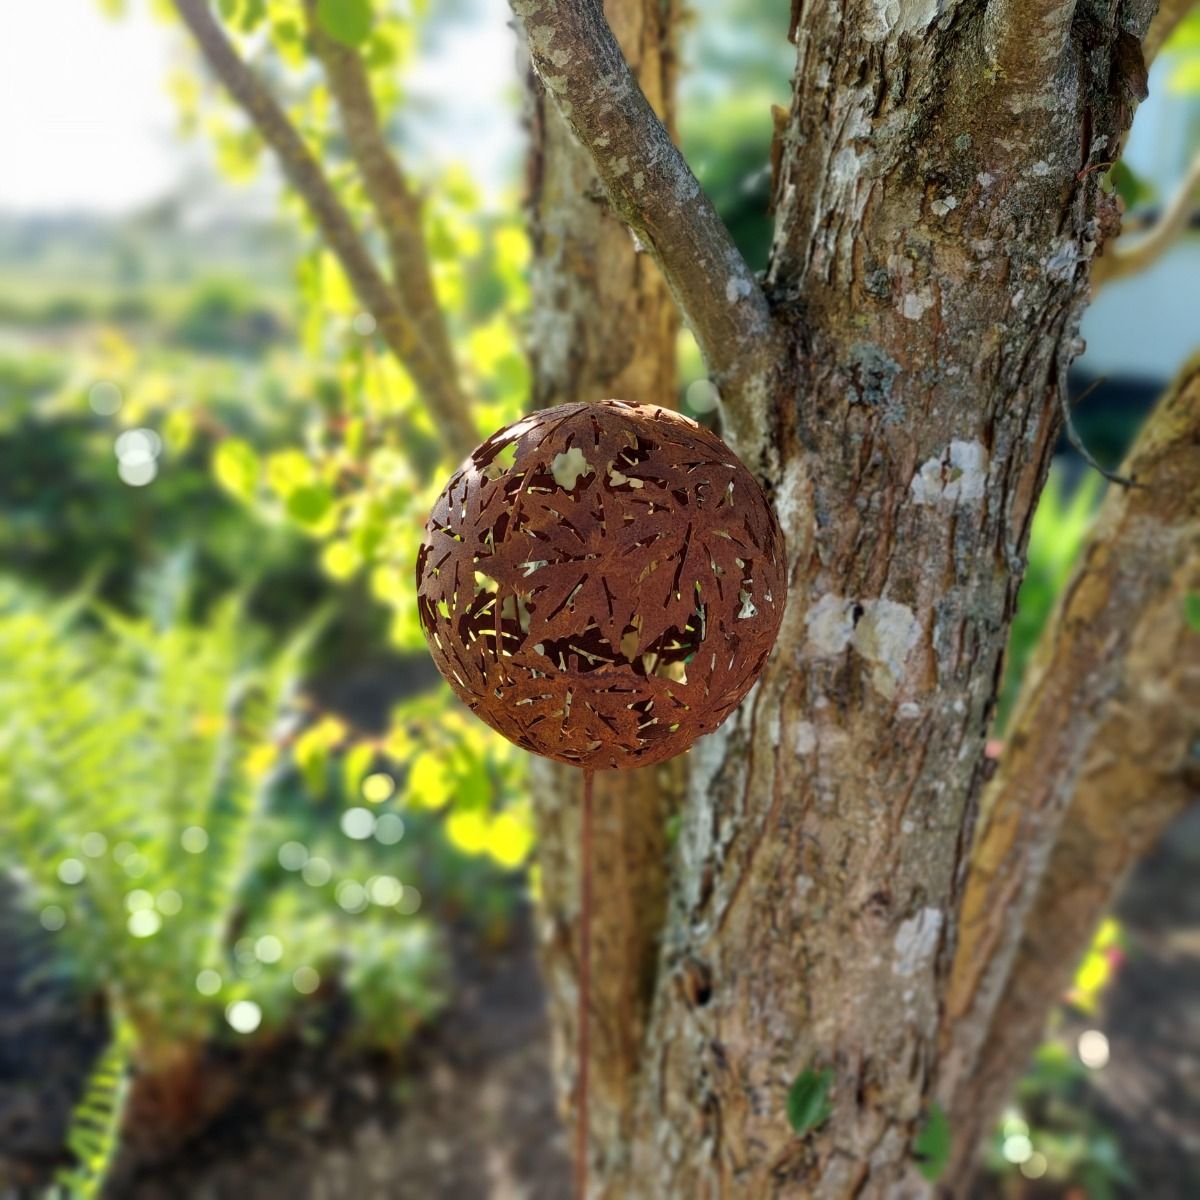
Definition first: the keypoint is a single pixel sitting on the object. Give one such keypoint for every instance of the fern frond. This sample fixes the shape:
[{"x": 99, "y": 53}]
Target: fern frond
[{"x": 94, "y": 1135}]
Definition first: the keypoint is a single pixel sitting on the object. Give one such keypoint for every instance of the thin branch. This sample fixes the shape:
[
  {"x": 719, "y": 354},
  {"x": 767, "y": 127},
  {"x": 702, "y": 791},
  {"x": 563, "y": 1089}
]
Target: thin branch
[
  {"x": 653, "y": 190},
  {"x": 1163, "y": 24},
  {"x": 395, "y": 204},
  {"x": 1124, "y": 258},
  {"x": 403, "y": 337},
  {"x": 1108, "y": 712}
]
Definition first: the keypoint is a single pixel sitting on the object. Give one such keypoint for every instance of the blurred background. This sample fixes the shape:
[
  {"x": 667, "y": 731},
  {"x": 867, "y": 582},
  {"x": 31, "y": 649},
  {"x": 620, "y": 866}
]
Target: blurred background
[{"x": 246, "y": 840}]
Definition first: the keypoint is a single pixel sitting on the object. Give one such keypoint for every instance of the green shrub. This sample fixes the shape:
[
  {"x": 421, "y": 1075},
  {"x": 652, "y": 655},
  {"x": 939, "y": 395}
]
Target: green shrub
[{"x": 138, "y": 764}]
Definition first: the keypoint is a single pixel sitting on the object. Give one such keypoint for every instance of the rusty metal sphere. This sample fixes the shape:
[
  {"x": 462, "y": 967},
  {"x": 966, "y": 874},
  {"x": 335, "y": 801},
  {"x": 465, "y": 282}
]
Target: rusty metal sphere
[{"x": 602, "y": 583}]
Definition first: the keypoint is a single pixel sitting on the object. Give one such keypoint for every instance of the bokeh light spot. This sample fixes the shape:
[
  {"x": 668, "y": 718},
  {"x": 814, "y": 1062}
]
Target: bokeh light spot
[
  {"x": 293, "y": 856},
  {"x": 1017, "y": 1148},
  {"x": 169, "y": 903},
  {"x": 352, "y": 896},
  {"x": 389, "y": 829},
  {"x": 244, "y": 1016},
  {"x": 306, "y": 981},
  {"x": 144, "y": 923},
  {"x": 137, "y": 474},
  {"x": 316, "y": 872},
  {"x": 268, "y": 949},
  {"x": 53, "y": 918},
  {"x": 194, "y": 839},
  {"x": 384, "y": 890},
  {"x": 358, "y": 823},
  {"x": 702, "y": 396},
  {"x": 104, "y": 397},
  {"x": 1035, "y": 1166},
  {"x": 208, "y": 983},
  {"x": 1093, "y": 1049},
  {"x": 93, "y": 844},
  {"x": 71, "y": 871}
]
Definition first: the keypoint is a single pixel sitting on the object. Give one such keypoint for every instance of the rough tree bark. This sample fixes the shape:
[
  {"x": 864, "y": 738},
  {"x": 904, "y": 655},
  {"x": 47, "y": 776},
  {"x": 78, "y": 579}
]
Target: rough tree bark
[{"x": 895, "y": 382}]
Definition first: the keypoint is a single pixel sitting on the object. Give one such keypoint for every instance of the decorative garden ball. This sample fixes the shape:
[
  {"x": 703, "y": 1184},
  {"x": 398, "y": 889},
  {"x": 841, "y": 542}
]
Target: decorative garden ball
[{"x": 602, "y": 583}]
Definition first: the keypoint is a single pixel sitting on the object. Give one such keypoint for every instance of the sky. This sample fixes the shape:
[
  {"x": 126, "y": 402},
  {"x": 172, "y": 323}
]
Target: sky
[
  {"x": 86, "y": 123},
  {"x": 84, "y": 119}
]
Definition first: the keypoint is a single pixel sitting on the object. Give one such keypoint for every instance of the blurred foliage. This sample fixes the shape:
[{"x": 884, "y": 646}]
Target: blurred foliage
[
  {"x": 65, "y": 512},
  {"x": 1060, "y": 524},
  {"x": 138, "y": 773},
  {"x": 1183, "y": 47},
  {"x": 1050, "y": 1132},
  {"x": 741, "y": 64}
]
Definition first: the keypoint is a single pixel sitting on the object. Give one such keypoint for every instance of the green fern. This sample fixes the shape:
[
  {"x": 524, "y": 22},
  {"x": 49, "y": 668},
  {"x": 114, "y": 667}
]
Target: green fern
[{"x": 94, "y": 1133}]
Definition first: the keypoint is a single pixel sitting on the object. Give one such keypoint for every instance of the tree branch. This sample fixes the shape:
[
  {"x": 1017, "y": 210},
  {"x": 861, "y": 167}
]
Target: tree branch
[
  {"x": 404, "y": 338},
  {"x": 394, "y": 202},
  {"x": 1123, "y": 259},
  {"x": 654, "y": 192},
  {"x": 1103, "y": 733},
  {"x": 1168, "y": 16}
]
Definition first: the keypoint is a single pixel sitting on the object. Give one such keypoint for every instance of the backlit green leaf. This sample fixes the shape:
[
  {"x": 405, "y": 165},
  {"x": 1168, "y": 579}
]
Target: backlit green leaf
[
  {"x": 236, "y": 467},
  {"x": 349, "y": 21}
]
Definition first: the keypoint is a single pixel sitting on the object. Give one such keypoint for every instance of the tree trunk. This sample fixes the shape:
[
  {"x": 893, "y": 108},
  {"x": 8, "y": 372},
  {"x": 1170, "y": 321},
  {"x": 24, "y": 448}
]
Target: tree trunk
[
  {"x": 937, "y": 212},
  {"x": 603, "y": 325}
]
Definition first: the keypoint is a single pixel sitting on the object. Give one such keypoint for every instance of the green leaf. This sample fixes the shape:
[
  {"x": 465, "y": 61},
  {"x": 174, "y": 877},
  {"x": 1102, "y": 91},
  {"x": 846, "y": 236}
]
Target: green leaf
[
  {"x": 1191, "y": 611},
  {"x": 1129, "y": 186},
  {"x": 931, "y": 1147},
  {"x": 309, "y": 504},
  {"x": 808, "y": 1105},
  {"x": 236, "y": 467},
  {"x": 349, "y": 21}
]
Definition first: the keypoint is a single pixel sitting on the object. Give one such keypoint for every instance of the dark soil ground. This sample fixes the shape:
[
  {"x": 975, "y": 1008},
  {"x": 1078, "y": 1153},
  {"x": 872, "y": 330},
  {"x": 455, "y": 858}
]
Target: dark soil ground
[{"x": 466, "y": 1112}]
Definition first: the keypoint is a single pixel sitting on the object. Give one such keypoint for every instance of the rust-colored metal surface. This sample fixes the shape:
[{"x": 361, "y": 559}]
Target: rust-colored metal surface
[{"x": 602, "y": 583}]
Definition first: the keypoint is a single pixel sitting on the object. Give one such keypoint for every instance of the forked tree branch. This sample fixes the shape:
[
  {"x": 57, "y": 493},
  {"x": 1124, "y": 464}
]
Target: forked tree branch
[
  {"x": 654, "y": 191},
  {"x": 1095, "y": 764},
  {"x": 1128, "y": 257},
  {"x": 403, "y": 335}
]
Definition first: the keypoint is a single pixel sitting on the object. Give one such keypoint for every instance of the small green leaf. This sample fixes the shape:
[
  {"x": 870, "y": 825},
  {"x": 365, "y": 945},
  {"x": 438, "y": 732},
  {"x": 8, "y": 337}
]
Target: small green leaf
[
  {"x": 349, "y": 21},
  {"x": 237, "y": 468},
  {"x": 808, "y": 1105},
  {"x": 1130, "y": 186},
  {"x": 1191, "y": 611},
  {"x": 931, "y": 1147},
  {"x": 309, "y": 503}
]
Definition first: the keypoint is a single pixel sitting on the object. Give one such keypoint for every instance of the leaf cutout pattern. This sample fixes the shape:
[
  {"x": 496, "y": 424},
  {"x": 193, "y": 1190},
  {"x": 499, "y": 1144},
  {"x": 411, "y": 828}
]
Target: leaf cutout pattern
[{"x": 608, "y": 624}]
